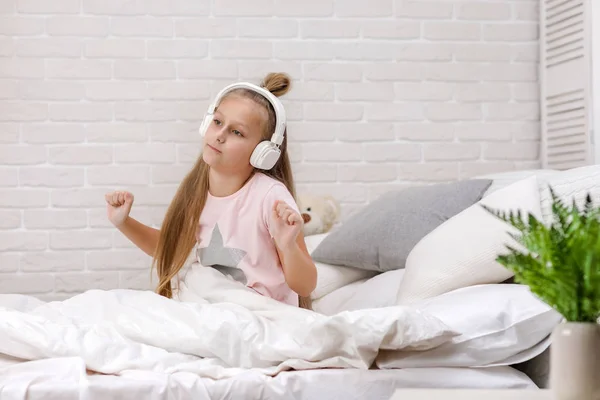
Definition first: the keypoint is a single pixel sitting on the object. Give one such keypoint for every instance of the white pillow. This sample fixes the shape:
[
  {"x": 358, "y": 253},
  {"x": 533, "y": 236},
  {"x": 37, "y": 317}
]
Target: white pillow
[
  {"x": 503, "y": 179},
  {"x": 463, "y": 250},
  {"x": 499, "y": 323},
  {"x": 333, "y": 302},
  {"x": 332, "y": 277},
  {"x": 376, "y": 292},
  {"x": 573, "y": 184},
  {"x": 312, "y": 241},
  {"x": 570, "y": 184}
]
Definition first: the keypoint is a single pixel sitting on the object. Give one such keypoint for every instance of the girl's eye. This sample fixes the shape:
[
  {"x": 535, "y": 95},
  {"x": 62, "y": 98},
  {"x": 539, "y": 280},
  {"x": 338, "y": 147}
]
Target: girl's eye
[
  {"x": 217, "y": 122},
  {"x": 236, "y": 132}
]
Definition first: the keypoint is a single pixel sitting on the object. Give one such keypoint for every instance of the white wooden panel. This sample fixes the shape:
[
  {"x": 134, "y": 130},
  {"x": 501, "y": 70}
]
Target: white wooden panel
[
  {"x": 595, "y": 38},
  {"x": 565, "y": 31}
]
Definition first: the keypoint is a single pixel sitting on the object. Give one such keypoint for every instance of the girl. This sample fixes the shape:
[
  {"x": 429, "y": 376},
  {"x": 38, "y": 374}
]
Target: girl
[{"x": 241, "y": 220}]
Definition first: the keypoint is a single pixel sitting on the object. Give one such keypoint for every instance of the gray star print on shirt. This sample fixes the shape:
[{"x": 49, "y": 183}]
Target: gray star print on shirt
[{"x": 223, "y": 259}]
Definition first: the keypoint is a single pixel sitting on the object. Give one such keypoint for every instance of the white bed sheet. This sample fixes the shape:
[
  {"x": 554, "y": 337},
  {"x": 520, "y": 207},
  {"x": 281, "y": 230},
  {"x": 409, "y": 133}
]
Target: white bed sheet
[{"x": 40, "y": 380}]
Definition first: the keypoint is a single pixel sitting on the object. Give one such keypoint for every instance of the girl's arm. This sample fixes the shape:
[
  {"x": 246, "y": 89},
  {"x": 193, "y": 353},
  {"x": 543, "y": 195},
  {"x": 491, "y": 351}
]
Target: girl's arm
[
  {"x": 118, "y": 207},
  {"x": 143, "y": 236},
  {"x": 298, "y": 267}
]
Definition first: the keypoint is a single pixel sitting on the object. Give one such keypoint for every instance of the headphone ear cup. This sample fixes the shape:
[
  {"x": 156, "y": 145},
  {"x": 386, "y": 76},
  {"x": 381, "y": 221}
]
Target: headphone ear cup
[
  {"x": 205, "y": 123},
  {"x": 265, "y": 155}
]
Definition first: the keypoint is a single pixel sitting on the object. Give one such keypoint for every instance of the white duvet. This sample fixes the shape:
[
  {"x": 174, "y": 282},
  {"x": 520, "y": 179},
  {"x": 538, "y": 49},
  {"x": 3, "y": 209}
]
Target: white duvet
[{"x": 215, "y": 328}]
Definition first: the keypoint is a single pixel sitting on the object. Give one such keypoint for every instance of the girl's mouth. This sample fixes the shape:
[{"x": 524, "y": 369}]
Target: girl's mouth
[{"x": 214, "y": 149}]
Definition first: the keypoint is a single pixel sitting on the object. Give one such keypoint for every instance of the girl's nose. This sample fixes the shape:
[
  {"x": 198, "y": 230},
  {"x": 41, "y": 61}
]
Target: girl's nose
[{"x": 221, "y": 134}]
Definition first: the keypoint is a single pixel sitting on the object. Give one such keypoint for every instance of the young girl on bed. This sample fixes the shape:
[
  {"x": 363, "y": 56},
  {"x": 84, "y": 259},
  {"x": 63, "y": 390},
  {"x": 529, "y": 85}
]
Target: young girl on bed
[{"x": 237, "y": 203}]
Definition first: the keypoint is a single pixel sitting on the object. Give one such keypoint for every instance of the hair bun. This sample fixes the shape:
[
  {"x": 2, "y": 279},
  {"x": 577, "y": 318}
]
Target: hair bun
[{"x": 277, "y": 83}]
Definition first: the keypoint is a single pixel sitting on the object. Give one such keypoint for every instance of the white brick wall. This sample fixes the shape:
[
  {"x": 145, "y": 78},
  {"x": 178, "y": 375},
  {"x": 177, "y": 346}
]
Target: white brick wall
[{"x": 103, "y": 94}]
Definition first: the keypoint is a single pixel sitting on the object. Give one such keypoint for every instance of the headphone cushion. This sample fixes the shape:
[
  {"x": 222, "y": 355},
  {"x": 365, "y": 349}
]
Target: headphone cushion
[
  {"x": 205, "y": 123},
  {"x": 265, "y": 155}
]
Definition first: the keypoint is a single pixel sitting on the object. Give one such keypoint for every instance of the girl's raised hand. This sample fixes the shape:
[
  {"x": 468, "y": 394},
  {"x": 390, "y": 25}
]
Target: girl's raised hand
[
  {"x": 118, "y": 206},
  {"x": 286, "y": 224}
]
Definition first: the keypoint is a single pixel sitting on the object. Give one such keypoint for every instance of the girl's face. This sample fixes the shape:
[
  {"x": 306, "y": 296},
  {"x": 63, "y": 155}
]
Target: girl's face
[{"x": 230, "y": 139}]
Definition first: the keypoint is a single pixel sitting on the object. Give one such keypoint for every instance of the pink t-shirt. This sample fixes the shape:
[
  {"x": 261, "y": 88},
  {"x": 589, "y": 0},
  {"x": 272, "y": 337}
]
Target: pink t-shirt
[{"x": 234, "y": 237}]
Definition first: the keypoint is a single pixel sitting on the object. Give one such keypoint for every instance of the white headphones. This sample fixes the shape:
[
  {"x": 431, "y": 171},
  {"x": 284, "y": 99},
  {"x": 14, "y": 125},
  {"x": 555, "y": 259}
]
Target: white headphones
[{"x": 267, "y": 152}]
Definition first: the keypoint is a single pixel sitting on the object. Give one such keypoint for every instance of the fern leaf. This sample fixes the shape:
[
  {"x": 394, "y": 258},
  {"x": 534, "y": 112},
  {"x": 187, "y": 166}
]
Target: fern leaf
[{"x": 560, "y": 262}]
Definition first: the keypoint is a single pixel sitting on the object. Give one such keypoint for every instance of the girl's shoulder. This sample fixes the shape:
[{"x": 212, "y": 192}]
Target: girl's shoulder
[{"x": 265, "y": 183}]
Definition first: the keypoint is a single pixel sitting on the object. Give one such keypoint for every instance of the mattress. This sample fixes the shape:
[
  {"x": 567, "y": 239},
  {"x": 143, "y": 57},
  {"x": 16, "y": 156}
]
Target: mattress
[{"x": 40, "y": 380}]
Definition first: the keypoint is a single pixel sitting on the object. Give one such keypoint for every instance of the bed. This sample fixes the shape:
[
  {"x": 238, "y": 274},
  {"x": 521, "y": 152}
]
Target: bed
[
  {"x": 370, "y": 333},
  {"x": 72, "y": 383}
]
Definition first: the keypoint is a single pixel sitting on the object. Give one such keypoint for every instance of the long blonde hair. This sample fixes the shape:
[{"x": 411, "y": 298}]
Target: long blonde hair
[{"x": 179, "y": 227}]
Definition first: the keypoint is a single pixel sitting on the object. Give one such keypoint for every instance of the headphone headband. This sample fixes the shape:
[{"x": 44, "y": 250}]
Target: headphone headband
[{"x": 280, "y": 116}]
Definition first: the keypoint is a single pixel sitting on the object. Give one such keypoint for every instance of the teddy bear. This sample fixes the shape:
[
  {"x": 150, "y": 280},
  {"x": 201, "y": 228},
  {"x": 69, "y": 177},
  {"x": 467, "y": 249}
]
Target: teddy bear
[{"x": 319, "y": 213}]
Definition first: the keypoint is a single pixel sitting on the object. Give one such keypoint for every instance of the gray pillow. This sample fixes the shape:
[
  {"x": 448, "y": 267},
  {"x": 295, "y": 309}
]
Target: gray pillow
[{"x": 380, "y": 236}]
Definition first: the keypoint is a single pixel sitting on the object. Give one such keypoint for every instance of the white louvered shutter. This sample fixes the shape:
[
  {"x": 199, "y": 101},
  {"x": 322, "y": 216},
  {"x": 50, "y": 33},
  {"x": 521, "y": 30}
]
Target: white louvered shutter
[{"x": 565, "y": 83}]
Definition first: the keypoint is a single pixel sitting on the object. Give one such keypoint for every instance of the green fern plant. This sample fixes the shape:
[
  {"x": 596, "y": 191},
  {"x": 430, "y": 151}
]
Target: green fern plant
[{"x": 560, "y": 261}]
